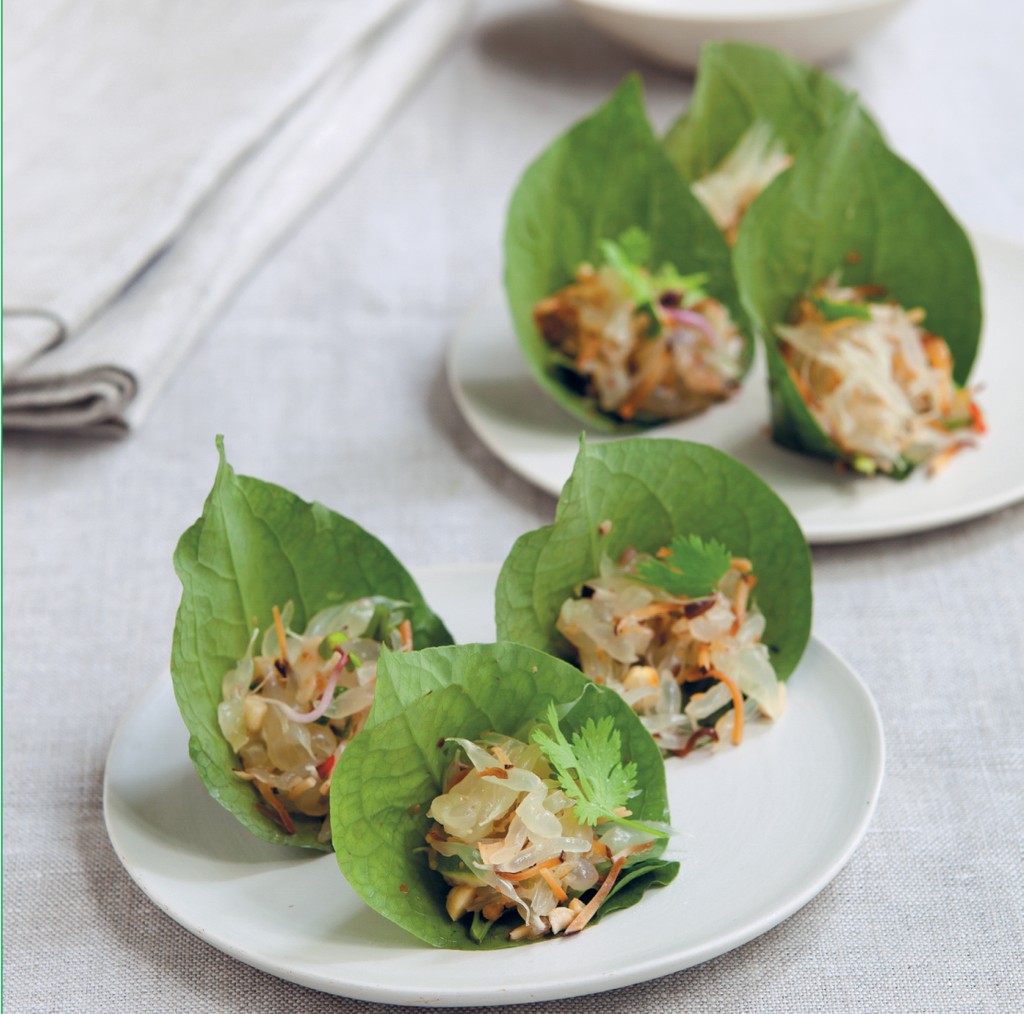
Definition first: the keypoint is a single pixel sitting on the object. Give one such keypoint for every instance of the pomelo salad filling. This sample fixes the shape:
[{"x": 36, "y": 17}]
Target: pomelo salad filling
[
  {"x": 289, "y": 710},
  {"x": 879, "y": 384},
  {"x": 642, "y": 343},
  {"x": 693, "y": 666}
]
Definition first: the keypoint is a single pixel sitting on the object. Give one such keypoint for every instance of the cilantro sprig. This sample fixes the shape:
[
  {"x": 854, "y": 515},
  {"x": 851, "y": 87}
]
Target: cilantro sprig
[
  {"x": 832, "y": 310},
  {"x": 693, "y": 567},
  {"x": 628, "y": 256},
  {"x": 590, "y": 770}
]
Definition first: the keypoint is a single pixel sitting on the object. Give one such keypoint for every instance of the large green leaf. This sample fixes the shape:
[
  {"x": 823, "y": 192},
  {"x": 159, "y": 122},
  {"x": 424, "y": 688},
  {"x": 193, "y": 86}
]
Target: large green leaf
[
  {"x": 849, "y": 204},
  {"x": 395, "y": 767},
  {"x": 603, "y": 176},
  {"x": 257, "y": 546},
  {"x": 739, "y": 85},
  {"x": 651, "y": 491}
]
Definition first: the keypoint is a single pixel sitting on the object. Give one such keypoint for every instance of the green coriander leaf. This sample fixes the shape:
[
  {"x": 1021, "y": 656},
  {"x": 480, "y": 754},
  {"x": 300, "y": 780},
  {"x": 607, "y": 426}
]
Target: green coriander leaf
[
  {"x": 633, "y": 273},
  {"x": 607, "y": 781},
  {"x": 692, "y": 570},
  {"x": 629, "y": 256},
  {"x": 689, "y": 287},
  {"x": 559, "y": 752},
  {"x": 635, "y": 244},
  {"x": 831, "y": 310},
  {"x": 601, "y": 782}
]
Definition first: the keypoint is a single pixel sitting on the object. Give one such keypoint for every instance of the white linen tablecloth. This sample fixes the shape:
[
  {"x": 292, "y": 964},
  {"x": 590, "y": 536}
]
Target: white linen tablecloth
[
  {"x": 326, "y": 375},
  {"x": 154, "y": 152}
]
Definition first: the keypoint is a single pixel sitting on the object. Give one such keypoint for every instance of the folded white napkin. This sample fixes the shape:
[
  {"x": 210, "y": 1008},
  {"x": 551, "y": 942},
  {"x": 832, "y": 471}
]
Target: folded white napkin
[{"x": 153, "y": 151}]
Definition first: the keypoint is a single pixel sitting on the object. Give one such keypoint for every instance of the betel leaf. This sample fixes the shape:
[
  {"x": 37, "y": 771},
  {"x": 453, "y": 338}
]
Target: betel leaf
[
  {"x": 853, "y": 206},
  {"x": 392, "y": 771},
  {"x": 606, "y": 175},
  {"x": 740, "y": 85},
  {"x": 255, "y": 546},
  {"x": 641, "y": 494}
]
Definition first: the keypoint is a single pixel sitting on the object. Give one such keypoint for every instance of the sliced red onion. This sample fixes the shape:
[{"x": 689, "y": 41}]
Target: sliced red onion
[
  {"x": 693, "y": 318},
  {"x": 305, "y": 717}
]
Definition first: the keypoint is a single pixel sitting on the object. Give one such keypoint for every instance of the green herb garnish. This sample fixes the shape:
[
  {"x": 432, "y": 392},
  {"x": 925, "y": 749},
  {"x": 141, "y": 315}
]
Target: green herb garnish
[
  {"x": 601, "y": 782},
  {"x": 692, "y": 570},
  {"x": 628, "y": 257},
  {"x": 833, "y": 311}
]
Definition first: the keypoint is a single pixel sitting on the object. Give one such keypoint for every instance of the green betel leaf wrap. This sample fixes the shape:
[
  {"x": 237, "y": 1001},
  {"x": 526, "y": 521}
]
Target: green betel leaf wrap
[
  {"x": 395, "y": 767},
  {"x": 740, "y": 85},
  {"x": 651, "y": 491},
  {"x": 851, "y": 205},
  {"x": 605, "y": 175},
  {"x": 255, "y": 546}
]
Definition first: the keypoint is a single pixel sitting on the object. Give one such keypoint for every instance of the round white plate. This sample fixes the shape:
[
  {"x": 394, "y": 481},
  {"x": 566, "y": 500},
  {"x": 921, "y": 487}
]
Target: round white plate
[
  {"x": 528, "y": 431},
  {"x": 671, "y": 31},
  {"x": 763, "y": 828}
]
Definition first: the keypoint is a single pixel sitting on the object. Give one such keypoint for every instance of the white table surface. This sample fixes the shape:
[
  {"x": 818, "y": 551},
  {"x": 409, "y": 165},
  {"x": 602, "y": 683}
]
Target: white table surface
[{"x": 326, "y": 375}]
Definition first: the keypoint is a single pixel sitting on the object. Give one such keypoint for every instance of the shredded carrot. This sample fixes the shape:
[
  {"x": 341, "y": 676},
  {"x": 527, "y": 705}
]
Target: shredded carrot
[
  {"x": 493, "y": 773},
  {"x": 742, "y": 564},
  {"x": 690, "y": 675},
  {"x": 556, "y": 888},
  {"x": 279, "y": 627},
  {"x": 940, "y": 461},
  {"x": 977, "y": 418},
  {"x": 937, "y": 352},
  {"x": 282, "y": 814},
  {"x": 599, "y": 848},
  {"x": 405, "y": 632},
  {"x": 801, "y": 385},
  {"x": 531, "y": 872},
  {"x": 591, "y": 907},
  {"x": 737, "y": 705}
]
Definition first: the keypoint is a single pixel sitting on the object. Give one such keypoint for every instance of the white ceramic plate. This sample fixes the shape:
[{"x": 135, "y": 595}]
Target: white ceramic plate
[
  {"x": 671, "y": 32},
  {"x": 763, "y": 829},
  {"x": 528, "y": 431}
]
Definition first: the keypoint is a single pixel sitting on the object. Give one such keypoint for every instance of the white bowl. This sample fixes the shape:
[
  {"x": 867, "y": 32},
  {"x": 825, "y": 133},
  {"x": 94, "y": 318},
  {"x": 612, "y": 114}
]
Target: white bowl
[{"x": 671, "y": 32}]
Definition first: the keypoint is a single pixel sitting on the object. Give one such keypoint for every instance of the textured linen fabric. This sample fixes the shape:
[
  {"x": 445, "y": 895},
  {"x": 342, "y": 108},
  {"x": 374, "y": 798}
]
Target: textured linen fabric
[
  {"x": 155, "y": 153},
  {"x": 326, "y": 375}
]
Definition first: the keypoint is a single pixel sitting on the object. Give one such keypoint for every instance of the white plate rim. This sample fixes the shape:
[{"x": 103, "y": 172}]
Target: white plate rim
[
  {"x": 698, "y": 11},
  {"x": 874, "y": 769}
]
